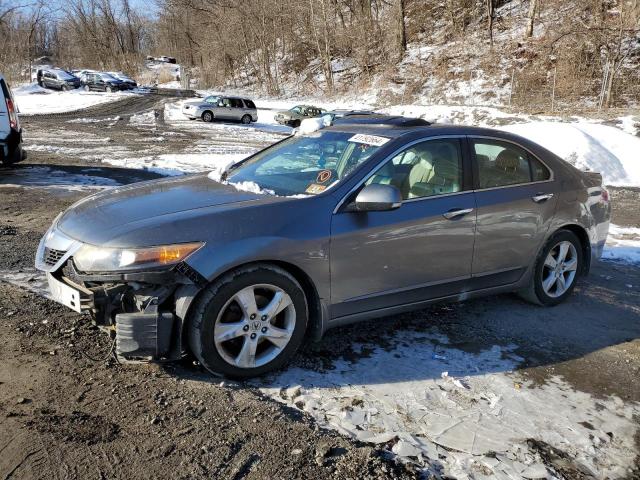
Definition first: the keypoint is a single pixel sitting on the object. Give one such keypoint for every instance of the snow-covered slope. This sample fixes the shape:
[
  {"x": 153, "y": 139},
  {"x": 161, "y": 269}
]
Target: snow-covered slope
[{"x": 33, "y": 99}]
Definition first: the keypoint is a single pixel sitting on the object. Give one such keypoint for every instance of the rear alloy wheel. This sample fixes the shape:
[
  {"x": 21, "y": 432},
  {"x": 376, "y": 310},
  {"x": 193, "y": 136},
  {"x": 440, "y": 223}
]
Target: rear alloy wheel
[
  {"x": 207, "y": 117},
  {"x": 557, "y": 269},
  {"x": 246, "y": 119},
  {"x": 248, "y": 323}
]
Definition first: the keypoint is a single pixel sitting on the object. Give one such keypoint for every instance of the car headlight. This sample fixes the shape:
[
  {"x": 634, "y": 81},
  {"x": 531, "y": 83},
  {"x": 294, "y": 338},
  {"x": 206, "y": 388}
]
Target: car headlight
[{"x": 97, "y": 259}]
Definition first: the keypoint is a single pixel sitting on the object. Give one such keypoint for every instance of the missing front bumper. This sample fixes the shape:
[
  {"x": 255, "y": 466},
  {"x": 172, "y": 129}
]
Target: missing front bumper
[{"x": 144, "y": 336}]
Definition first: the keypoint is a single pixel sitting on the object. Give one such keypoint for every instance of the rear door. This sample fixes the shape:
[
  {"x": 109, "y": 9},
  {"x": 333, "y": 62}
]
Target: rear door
[
  {"x": 516, "y": 200},
  {"x": 237, "y": 109},
  {"x": 223, "y": 110},
  {"x": 420, "y": 251}
]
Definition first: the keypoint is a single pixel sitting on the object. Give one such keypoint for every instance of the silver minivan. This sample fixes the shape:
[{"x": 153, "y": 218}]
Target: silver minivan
[
  {"x": 10, "y": 129},
  {"x": 218, "y": 107}
]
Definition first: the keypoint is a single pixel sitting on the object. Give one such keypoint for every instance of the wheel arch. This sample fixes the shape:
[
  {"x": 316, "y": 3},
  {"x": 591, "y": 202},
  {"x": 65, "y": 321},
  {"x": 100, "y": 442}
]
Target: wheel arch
[
  {"x": 580, "y": 232},
  {"x": 315, "y": 327}
]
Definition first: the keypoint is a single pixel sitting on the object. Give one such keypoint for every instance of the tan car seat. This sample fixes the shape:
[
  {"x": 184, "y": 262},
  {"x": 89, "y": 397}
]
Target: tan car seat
[{"x": 419, "y": 175}]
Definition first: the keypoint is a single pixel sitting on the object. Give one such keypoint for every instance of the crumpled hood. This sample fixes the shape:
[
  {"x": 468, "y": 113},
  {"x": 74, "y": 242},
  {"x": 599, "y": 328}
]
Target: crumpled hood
[{"x": 98, "y": 218}]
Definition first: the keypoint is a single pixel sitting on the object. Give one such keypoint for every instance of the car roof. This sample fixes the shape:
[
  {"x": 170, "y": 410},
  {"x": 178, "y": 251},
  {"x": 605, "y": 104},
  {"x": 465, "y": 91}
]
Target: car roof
[{"x": 428, "y": 130}]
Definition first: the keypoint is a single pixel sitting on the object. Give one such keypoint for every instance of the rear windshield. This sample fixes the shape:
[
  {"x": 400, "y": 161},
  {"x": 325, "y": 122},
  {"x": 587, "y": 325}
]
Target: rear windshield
[{"x": 249, "y": 104}]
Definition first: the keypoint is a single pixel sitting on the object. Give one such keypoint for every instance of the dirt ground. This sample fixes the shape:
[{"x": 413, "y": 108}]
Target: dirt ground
[{"x": 69, "y": 411}]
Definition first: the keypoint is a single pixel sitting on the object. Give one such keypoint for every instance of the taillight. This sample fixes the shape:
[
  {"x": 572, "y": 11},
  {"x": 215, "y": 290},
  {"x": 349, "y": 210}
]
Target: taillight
[
  {"x": 13, "y": 117},
  {"x": 605, "y": 195}
]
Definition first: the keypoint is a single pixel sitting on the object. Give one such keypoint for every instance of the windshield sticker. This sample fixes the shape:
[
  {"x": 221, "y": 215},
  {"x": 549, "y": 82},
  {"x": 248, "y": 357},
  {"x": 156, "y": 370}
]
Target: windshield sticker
[
  {"x": 323, "y": 176},
  {"x": 315, "y": 188},
  {"x": 374, "y": 140}
]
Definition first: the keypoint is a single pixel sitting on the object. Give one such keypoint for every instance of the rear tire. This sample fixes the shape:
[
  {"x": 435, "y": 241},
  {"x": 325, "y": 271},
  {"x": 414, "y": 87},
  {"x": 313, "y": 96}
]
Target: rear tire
[
  {"x": 87, "y": 88},
  {"x": 207, "y": 117},
  {"x": 246, "y": 119},
  {"x": 249, "y": 322},
  {"x": 556, "y": 270},
  {"x": 15, "y": 156}
]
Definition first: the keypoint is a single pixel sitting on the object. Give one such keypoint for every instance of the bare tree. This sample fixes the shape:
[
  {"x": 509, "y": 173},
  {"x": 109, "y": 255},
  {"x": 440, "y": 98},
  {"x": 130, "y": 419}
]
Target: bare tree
[{"x": 533, "y": 8}]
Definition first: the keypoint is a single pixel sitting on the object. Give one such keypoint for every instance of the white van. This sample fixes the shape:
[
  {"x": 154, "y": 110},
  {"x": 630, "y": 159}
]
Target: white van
[{"x": 10, "y": 130}]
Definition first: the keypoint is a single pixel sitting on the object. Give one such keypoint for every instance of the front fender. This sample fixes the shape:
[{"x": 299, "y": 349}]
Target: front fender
[{"x": 311, "y": 256}]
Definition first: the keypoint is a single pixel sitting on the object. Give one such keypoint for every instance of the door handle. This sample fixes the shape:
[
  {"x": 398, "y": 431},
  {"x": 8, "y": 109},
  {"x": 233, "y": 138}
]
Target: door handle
[
  {"x": 542, "y": 197},
  {"x": 456, "y": 213}
]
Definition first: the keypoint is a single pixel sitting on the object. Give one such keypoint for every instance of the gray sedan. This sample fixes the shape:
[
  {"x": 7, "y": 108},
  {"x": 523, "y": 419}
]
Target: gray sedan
[{"x": 351, "y": 222}]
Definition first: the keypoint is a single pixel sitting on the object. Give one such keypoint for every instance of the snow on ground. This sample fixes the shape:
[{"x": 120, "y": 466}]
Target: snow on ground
[
  {"x": 623, "y": 245},
  {"x": 33, "y": 99},
  {"x": 179, "y": 163},
  {"x": 51, "y": 178},
  {"x": 455, "y": 412}
]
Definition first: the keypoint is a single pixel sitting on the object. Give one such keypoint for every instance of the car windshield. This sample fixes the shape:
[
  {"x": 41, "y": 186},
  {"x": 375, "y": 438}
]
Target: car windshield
[
  {"x": 106, "y": 76},
  {"x": 62, "y": 75},
  {"x": 306, "y": 164},
  {"x": 212, "y": 99}
]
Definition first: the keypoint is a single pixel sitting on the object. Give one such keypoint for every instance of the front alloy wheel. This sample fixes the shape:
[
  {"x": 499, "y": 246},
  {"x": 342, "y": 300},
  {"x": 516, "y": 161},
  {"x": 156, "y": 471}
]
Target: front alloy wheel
[
  {"x": 249, "y": 322},
  {"x": 255, "y": 326},
  {"x": 207, "y": 117}
]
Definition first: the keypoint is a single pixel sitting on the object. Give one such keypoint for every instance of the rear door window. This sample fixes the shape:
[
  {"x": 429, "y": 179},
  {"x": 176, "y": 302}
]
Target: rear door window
[
  {"x": 236, "y": 103},
  {"x": 502, "y": 164}
]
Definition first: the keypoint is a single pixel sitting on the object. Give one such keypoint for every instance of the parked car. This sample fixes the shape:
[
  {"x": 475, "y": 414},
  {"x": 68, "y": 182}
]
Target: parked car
[
  {"x": 220, "y": 107},
  {"x": 103, "y": 82},
  {"x": 295, "y": 115},
  {"x": 57, "y": 78},
  {"x": 128, "y": 81},
  {"x": 82, "y": 74},
  {"x": 168, "y": 59},
  {"x": 10, "y": 129},
  {"x": 345, "y": 223}
]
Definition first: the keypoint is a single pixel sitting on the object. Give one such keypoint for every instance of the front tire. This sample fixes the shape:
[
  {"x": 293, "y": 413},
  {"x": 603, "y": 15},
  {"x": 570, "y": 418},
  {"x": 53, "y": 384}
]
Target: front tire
[
  {"x": 207, "y": 117},
  {"x": 87, "y": 88},
  {"x": 556, "y": 271},
  {"x": 109, "y": 90},
  {"x": 249, "y": 322}
]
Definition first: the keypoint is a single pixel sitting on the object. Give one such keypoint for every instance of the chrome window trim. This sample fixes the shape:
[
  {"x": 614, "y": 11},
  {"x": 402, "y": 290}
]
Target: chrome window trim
[
  {"x": 487, "y": 137},
  {"x": 393, "y": 154}
]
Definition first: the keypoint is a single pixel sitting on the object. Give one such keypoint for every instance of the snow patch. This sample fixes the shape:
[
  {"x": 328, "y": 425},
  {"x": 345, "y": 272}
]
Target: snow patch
[
  {"x": 623, "y": 245},
  {"x": 455, "y": 409},
  {"x": 310, "y": 125}
]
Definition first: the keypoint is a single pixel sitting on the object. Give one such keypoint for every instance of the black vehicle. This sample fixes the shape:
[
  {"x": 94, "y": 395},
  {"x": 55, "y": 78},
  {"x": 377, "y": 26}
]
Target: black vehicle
[
  {"x": 103, "y": 82},
  {"x": 129, "y": 82},
  {"x": 10, "y": 129},
  {"x": 57, "y": 78}
]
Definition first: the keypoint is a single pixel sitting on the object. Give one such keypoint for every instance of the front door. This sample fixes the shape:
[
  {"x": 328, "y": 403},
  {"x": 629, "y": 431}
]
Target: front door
[
  {"x": 420, "y": 251},
  {"x": 515, "y": 194}
]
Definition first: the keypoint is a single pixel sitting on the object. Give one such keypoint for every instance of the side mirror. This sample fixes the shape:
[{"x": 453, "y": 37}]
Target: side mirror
[{"x": 378, "y": 198}]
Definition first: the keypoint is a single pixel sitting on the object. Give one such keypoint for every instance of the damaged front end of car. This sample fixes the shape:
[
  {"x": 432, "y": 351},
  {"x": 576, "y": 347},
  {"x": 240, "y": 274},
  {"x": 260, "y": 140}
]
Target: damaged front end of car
[{"x": 139, "y": 296}]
